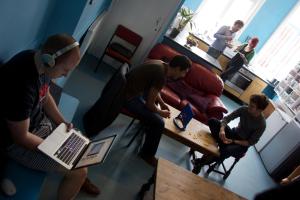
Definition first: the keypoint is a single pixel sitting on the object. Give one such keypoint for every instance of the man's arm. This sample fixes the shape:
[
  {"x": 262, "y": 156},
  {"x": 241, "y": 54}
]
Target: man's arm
[
  {"x": 220, "y": 34},
  {"x": 21, "y": 136},
  {"x": 161, "y": 102},
  {"x": 150, "y": 103},
  {"x": 241, "y": 142},
  {"x": 52, "y": 110},
  {"x": 225, "y": 121}
]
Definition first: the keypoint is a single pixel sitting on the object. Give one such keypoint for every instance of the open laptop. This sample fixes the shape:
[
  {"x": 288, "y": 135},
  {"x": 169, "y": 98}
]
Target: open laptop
[
  {"x": 184, "y": 117},
  {"x": 73, "y": 150}
]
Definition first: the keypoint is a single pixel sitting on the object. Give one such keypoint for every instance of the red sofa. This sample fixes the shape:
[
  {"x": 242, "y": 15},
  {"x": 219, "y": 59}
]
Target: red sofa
[{"x": 201, "y": 88}]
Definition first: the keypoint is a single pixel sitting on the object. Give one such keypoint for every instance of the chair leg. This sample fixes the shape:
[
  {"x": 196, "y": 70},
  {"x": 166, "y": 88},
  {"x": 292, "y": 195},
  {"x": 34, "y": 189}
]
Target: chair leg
[
  {"x": 146, "y": 187},
  {"x": 135, "y": 135},
  {"x": 192, "y": 153},
  {"x": 230, "y": 169}
]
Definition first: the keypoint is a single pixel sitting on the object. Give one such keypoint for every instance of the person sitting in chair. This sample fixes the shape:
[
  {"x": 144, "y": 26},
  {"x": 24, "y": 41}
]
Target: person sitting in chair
[
  {"x": 236, "y": 141},
  {"x": 143, "y": 92}
]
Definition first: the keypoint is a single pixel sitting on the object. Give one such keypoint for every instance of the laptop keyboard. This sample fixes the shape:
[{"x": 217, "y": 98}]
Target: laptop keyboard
[{"x": 70, "y": 148}]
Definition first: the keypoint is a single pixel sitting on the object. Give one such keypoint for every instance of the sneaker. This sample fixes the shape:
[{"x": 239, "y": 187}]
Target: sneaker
[
  {"x": 198, "y": 164},
  {"x": 89, "y": 188},
  {"x": 197, "y": 169}
]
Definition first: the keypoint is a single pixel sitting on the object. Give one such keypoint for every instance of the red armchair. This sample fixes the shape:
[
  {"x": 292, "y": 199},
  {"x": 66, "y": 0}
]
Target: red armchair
[{"x": 201, "y": 88}]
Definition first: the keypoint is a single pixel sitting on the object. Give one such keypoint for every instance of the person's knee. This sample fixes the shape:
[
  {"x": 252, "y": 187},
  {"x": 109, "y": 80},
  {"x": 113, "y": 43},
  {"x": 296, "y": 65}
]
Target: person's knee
[{"x": 157, "y": 122}]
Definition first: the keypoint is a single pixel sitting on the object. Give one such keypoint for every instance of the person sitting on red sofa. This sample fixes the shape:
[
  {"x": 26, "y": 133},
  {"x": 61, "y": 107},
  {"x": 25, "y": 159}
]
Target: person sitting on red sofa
[{"x": 149, "y": 78}]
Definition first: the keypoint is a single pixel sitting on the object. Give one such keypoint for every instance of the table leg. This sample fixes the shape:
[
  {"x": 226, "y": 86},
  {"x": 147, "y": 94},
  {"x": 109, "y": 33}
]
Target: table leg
[{"x": 146, "y": 187}]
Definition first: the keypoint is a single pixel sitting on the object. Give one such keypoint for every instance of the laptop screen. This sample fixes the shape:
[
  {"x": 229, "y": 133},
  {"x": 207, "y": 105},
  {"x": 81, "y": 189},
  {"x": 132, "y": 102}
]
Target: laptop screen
[{"x": 185, "y": 116}]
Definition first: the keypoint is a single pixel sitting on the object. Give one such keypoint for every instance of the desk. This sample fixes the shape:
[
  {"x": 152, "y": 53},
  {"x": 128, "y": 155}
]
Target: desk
[
  {"x": 207, "y": 59},
  {"x": 197, "y": 135},
  {"x": 175, "y": 183},
  {"x": 194, "y": 54}
]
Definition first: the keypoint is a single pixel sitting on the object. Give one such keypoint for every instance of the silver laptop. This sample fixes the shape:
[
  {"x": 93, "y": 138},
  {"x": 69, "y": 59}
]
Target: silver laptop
[{"x": 73, "y": 150}]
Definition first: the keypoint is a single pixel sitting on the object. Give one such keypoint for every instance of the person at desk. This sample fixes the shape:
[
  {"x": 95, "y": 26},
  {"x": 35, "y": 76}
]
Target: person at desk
[
  {"x": 236, "y": 141},
  {"x": 245, "y": 53},
  {"x": 224, "y": 37}
]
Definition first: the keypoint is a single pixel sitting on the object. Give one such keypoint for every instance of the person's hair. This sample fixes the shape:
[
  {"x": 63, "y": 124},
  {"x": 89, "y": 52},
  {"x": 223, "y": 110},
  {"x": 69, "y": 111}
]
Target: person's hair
[
  {"x": 56, "y": 42},
  {"x": 260, "y": 100},
  {"x": 181, "y": 61},
  {"x": 239, "y": 22},
  {"x": 254, "y": 41}
]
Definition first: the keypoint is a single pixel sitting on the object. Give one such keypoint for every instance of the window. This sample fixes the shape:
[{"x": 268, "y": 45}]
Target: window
[
  {"x": 282, "y": 51},
  {"x": 212, "y": 14}
]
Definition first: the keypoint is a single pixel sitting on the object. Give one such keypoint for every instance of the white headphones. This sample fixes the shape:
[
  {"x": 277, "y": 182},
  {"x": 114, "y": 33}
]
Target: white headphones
[{"x": 49, "y": 59}]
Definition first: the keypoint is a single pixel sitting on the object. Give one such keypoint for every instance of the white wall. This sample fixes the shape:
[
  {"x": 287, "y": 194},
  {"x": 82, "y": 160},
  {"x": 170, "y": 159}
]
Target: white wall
[{"x": 145, "y": 17}]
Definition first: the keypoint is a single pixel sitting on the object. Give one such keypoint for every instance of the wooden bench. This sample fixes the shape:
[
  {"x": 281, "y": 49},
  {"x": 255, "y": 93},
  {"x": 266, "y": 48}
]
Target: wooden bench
[{"x": 174, "y": 182}]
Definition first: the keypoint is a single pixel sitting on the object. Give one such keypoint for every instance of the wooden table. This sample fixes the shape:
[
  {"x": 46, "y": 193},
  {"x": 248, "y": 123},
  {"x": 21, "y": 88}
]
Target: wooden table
[
  {"x": 175, "y": 183},
  {"x": 197, "y": 135}
]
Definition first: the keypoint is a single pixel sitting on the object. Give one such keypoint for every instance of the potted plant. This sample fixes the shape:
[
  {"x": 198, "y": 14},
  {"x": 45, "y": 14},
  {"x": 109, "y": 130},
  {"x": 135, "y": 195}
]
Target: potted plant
[{"x": 186, "y": 16}]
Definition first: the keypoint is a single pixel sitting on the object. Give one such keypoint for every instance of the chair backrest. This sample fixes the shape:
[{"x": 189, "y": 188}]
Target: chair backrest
[
  {"x": 108, "y": 106},
  {"x": 117, "y": 81},
  {"x": 128, "y": 35},
  {"x": 124, "y": 41}
]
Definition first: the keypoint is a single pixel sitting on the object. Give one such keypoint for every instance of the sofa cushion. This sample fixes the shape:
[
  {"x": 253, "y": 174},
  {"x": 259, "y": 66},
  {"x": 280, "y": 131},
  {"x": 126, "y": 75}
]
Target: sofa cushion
[
  {"x": 200, "y": 102},
  {"x": 182, "y": 89},
  {"x": 170, "y": 97},
  {"x": 162, "y": 52},
  {"x": 204, "y": 80}
]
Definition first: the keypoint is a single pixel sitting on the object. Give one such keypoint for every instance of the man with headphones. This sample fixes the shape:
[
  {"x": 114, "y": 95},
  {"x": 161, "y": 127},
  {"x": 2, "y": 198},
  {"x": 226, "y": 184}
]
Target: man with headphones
[{"x": 28, "y": 113}]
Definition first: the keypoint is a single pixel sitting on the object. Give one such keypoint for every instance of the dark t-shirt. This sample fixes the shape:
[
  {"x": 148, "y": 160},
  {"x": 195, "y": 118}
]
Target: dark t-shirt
[
  {"x": 250, "y": 128},
  {"x": 23, "y": 91},
  {"x": 143, "y": 77}
]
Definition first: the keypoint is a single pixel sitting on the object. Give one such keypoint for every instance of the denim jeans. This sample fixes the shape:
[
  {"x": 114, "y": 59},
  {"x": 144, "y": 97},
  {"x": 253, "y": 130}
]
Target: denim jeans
[{"x": 153, "y": 121}]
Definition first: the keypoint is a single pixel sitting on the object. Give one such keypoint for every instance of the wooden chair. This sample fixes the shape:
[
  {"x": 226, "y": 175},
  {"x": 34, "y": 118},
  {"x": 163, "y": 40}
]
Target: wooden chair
[
  {"x": 225, "y": 172},
  {"x": 121, "y": 46}
]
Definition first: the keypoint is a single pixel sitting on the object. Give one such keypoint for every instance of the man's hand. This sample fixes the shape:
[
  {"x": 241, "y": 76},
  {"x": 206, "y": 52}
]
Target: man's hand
[
  {"x": 229, "y": 45},
  {"x": 69, "y": 126},
  {"x": 165, "y": 113},
  {"x": 228, "y": 38},
  {"x": 223, "y": 137},
  {"x": 227, "y": 141},
  {"x": 164, "y": 106}
]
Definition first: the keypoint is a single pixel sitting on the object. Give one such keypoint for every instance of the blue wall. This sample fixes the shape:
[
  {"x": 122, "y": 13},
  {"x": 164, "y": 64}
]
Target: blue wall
[
  {"x": 75, "y": 18},
  {"x": 89, "y": 14},
  {"x": 192, "y": 4},
  {"x": 267, "y": 19},
  {"x": 65, "y": 16},
  {"x": 23, "y": 25},
  {"x": 26, "y": 24}
]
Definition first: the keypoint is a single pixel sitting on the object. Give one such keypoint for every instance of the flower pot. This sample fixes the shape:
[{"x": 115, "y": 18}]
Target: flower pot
[{"x": 174, "y": 32}]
